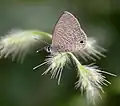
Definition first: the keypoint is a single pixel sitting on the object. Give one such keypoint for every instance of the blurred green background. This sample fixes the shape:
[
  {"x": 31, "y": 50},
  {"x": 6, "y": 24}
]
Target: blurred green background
[{"x": 21, "y": 86}]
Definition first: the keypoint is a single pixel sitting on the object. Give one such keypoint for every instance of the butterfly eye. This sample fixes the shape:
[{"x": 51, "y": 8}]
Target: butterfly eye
[
  {"x": 48, "y": 48},
  {"x": 81, "y": 41}
]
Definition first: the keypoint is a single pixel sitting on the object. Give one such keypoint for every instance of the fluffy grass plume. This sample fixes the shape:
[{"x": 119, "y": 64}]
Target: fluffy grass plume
[
  {"x": 18, "y": 43},
  {"x": 90, "y": 79}
]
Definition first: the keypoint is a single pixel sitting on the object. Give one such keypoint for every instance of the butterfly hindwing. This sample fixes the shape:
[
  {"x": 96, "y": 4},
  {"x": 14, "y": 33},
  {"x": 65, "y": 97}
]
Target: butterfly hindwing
[{"x": 67, "y": 34}]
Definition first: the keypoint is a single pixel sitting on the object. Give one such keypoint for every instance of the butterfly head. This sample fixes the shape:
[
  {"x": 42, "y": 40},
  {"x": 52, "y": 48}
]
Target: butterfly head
[{"x": 48, "y": 48}]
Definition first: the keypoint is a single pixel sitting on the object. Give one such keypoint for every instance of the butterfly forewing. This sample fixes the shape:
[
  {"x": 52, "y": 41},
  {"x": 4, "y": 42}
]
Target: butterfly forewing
[{"x": 68, "y": 35}]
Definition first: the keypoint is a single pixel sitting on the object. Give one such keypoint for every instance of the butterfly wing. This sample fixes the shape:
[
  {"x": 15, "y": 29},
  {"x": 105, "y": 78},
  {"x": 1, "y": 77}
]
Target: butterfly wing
[{"x": 68, "y": 35}]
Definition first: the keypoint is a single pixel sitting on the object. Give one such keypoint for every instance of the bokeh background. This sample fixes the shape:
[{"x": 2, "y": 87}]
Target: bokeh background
[{"x": 21, "y": 86}]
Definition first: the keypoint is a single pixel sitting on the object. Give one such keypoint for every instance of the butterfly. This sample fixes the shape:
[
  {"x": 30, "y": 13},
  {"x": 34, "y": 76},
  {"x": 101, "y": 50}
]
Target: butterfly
[{"x": 68, "y": 35}]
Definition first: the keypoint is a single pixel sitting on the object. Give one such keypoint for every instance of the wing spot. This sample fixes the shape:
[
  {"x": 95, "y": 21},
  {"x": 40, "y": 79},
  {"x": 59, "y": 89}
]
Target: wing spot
[{"x": 81, "y": 41}]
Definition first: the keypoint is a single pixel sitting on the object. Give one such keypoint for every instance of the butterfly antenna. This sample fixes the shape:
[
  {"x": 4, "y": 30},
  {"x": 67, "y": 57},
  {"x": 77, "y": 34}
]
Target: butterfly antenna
[
  {"x": 43, "y": 47},
  {"x": 39, "y": 50}
]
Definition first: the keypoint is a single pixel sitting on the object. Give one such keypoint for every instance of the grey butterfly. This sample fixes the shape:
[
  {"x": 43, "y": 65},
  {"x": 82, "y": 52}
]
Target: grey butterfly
[{"x": 67, "y": 35}]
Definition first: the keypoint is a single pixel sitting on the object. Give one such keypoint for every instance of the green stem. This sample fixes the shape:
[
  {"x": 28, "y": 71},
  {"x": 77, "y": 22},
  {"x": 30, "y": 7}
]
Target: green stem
[
  {"x": 45, "y": 36},
  {"x": 79, "y": 65},
  {"x": 42, "y": 33}
]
